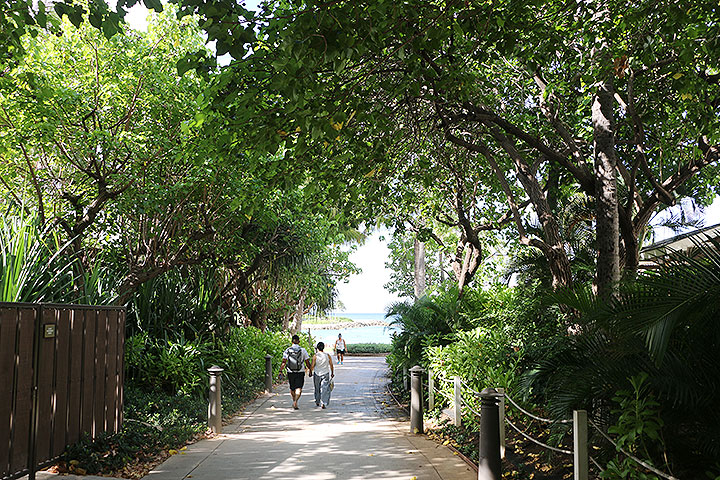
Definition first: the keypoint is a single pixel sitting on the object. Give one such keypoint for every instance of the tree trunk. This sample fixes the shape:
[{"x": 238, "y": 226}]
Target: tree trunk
[
  {"x": 607, "y": 228},
  {"x": 419, "y": 268},
  {"x": 465, "y": 264},
  {"x": 286, "y": 320},
  {"x": 441, "y": 264},
  {"x": 553, "y": 245},
  {"x": 296, "y": 324}
]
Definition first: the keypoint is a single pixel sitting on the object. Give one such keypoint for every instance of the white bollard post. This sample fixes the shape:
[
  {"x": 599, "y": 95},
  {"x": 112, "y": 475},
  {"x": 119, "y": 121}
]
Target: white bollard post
[
  {"x": 580, "y": 445},
  {"x": 501, "y": 391},
  {"x": 431, "y": 390},
  {"x": 457, "y": 413}
]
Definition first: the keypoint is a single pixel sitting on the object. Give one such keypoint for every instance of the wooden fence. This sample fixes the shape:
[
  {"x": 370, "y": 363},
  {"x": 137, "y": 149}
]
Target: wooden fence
[{"x": 61, "y": 375}]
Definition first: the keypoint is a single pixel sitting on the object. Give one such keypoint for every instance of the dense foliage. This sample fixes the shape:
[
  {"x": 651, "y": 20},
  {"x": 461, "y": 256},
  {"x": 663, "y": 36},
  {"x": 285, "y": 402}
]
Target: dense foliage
[
  {"x": 134, "y": 170},
  {"x": 643, "y": 365},
  {"x": 108, "y": 153}
]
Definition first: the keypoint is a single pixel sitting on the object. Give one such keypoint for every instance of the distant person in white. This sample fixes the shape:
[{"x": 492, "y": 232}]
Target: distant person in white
[
  {"x": 340, "y": 349},
  {"x": 322, "y": 371}
]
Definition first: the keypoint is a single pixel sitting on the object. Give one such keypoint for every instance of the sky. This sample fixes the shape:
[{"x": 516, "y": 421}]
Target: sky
[{"x": 365, "y": 293}]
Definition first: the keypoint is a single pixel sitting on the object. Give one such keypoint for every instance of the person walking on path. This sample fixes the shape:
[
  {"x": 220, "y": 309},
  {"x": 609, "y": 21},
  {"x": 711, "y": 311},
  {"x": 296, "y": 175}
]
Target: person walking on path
[
  {"x": 322, "y": 371},
  {"x": 340, "y": 349},
  {"x": 294, "y": 357}
]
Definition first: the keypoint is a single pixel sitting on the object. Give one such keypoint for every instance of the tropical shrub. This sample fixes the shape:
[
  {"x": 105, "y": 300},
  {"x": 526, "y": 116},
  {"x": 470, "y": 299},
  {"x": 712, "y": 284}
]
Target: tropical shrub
[
  {"x": 666, "y": 325},
  {"x": 482, "y": 357},
  {"x": 34, "y": 265},
  {"x": 638, "y": 431},
  {"x": 180, "y": 365},
  {"x": 430, "y": 321}
]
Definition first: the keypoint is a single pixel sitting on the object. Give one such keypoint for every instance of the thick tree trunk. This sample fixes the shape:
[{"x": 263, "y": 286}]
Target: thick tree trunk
[
  {"x": 419, "y": 256},
  {"x": 607, "y": 228},
  {"x": 296, "y": 324},
  {"x": 287, "y": 316},
  {"x": 466, "y": 262},
  {"x": 553, "y": 245}
]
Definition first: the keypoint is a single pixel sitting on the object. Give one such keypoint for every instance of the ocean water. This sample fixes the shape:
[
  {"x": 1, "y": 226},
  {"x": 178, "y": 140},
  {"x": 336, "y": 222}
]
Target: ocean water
[{"x": 369, "y": 334}]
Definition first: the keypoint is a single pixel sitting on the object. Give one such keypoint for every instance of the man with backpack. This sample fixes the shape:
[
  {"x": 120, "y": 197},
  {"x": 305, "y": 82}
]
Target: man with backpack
[{"x": 294, "y": 357}]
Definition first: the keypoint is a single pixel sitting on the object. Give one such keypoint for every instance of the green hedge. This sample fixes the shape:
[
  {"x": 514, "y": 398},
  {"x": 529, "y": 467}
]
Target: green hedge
[
  {"x": 368, "y": 348},
  {"x": 179, "y": 366}
]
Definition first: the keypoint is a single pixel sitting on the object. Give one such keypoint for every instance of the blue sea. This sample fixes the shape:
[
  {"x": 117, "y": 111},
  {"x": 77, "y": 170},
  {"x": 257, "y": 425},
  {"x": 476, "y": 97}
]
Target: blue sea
[{"x": 370, "y": 334}]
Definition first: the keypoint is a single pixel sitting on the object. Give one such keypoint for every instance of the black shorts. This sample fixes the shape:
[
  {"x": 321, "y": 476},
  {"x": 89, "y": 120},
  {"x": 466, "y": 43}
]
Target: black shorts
[
  {"x": 296, "y": 380},
  {"x": 340, "y": 352}
]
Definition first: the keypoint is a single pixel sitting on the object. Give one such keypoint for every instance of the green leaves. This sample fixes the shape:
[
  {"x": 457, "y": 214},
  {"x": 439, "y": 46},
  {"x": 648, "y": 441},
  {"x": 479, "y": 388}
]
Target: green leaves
[
  {"x": 74, "y": 12},
  {"x": 154, "y": 5}
]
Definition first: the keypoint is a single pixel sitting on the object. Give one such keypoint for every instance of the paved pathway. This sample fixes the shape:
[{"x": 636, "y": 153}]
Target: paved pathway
[{"x": 355, "y": 438}]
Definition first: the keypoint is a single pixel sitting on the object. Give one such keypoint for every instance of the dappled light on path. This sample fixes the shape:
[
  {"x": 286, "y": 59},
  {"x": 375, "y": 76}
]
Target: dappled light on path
[{"x": 356, "y": 437}]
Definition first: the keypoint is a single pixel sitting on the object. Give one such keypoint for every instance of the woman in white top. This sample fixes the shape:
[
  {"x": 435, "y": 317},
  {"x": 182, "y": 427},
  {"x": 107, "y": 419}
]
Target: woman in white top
[{"x": 322, "y": 371}]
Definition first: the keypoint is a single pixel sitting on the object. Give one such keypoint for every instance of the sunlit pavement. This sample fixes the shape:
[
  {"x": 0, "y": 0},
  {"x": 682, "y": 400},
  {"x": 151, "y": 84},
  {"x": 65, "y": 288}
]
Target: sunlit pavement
[{"x": 356, "y": 437}]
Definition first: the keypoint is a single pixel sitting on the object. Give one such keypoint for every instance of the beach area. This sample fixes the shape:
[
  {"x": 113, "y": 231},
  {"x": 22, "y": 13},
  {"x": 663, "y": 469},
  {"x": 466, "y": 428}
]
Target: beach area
[
  {"x": 355, "y": 327},
  {"x": 344, "y": 325}
]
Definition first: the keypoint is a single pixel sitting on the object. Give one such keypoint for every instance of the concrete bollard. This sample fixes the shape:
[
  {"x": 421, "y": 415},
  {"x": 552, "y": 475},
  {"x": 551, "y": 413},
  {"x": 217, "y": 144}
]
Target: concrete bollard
[
  {"x": 406, "y": 378},
  {"x": 268, "y": 374},
  {"x": 431, "y": 390},
  {"x": 457, "y": 403},
  {"x": 489, "y": 466},
  {"x": 580, "y": 445},
  {"x": 416, "y": 400},
  {"x": 215, "y": 401}
]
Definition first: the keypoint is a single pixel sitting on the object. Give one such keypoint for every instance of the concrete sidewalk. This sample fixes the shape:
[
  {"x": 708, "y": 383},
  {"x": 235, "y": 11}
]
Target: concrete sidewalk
[
  {"x": 359, "y": 436},
  {"x": 354, "y": 438}
]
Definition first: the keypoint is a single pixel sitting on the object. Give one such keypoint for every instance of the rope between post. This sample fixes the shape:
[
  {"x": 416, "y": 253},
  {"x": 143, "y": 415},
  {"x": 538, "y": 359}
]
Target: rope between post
[
  {"x": 544, "y": 445},
  {"x": 471, "y": 409},
  {"x": 472, "y": 390},
  {"x": 596, "y": 463},
  {"x": 446, "y": 395},
  {"x": 632, "y": 457},
  {"x": 546, "y": 420}
]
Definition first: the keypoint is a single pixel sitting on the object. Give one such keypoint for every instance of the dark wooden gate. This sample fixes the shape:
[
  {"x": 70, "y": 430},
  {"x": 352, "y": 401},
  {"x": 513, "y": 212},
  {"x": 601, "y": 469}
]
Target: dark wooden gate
[{"x": 61, "y": 374}]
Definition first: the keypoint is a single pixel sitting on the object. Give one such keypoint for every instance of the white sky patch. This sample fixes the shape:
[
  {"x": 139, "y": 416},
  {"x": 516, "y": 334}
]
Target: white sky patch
[
  {"x": 137, "y": 17},
  {"x": 365, "y": 293}
]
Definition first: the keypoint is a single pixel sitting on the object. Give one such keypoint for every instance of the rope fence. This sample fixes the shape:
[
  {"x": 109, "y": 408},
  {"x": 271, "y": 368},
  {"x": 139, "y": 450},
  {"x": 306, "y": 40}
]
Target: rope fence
[
  {"x": 535, "y": 417},
  {"x": 538, "y": 442},
  {"x": 459, "y": 404}
]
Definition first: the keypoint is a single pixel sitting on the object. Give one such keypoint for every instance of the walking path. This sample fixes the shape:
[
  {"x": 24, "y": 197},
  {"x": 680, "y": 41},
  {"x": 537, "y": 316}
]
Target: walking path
[{"x": 355, "y": 438}]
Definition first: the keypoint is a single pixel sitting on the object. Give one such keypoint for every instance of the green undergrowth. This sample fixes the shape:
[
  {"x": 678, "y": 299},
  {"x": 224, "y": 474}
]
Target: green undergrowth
[{"x": 166, "y": 397}]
